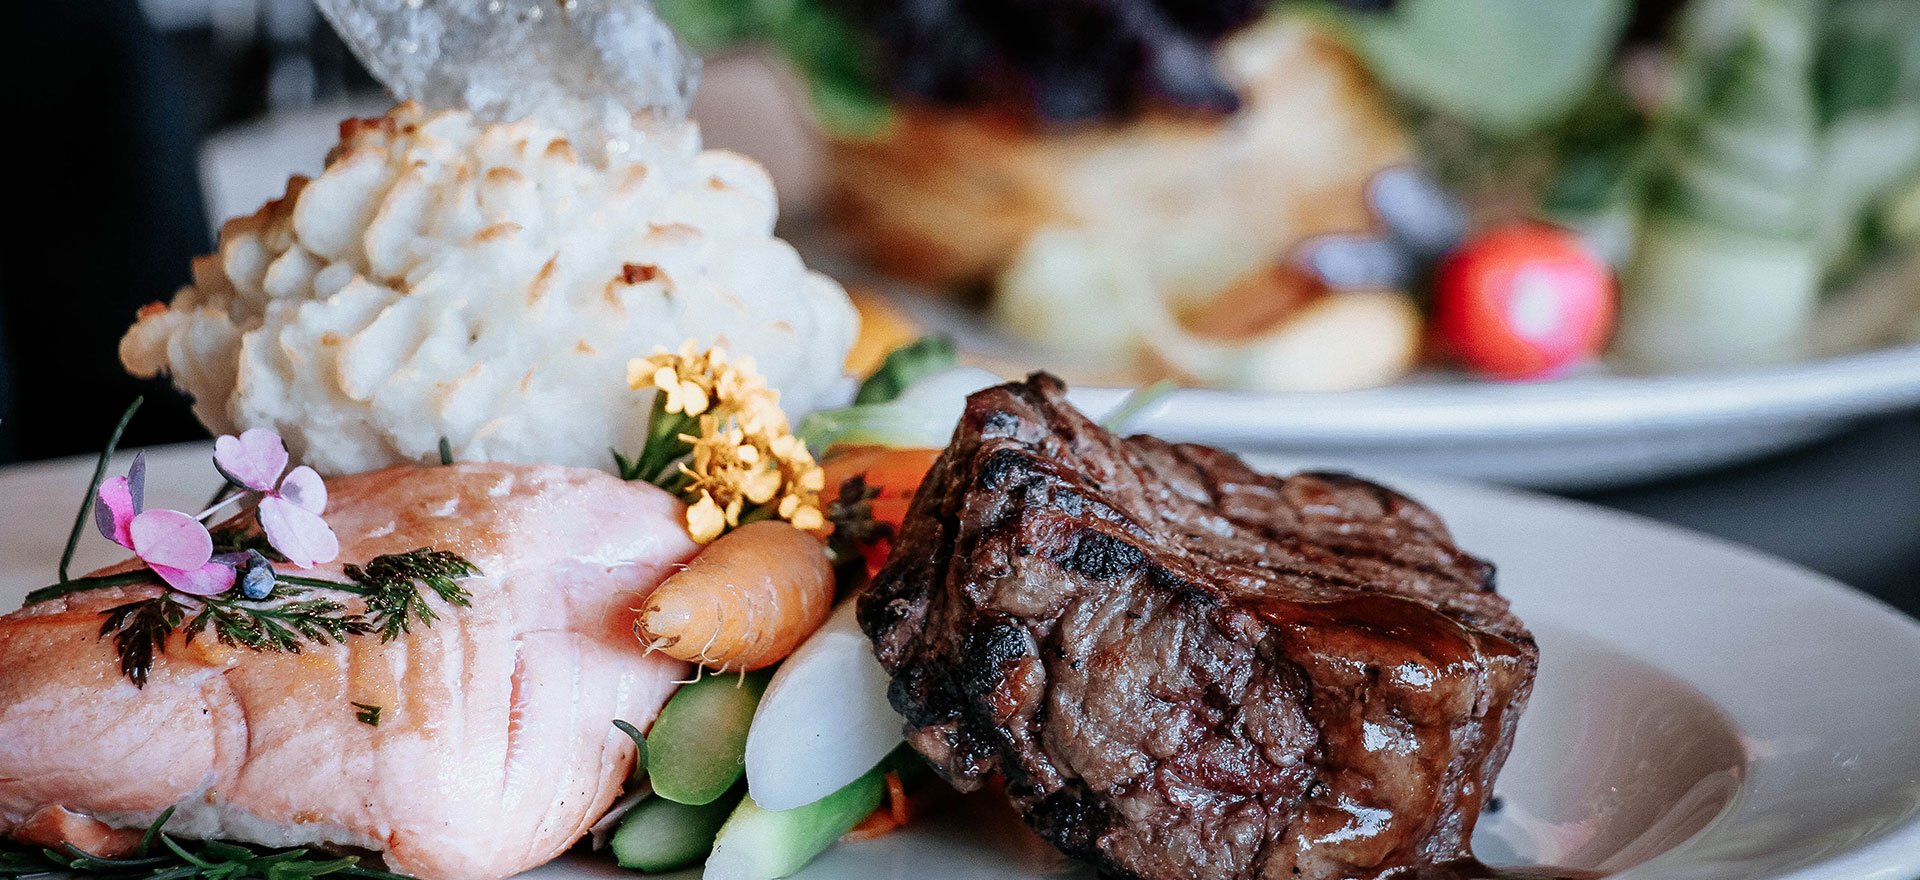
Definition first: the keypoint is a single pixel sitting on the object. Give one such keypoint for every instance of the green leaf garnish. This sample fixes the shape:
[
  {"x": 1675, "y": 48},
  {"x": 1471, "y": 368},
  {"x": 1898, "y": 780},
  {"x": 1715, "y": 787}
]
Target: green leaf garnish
[
  {"x": 904, "y": 366},
  {"x": 161, "y": 857},
  {"x": 367, "y": 714},
  {"x": 140, "y": 631},
  {"x": 391, "y": 585}
]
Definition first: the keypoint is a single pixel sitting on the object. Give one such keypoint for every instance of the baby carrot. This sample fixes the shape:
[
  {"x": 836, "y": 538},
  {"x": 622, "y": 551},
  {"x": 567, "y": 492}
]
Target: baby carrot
[{"x": 744, "y": 603}]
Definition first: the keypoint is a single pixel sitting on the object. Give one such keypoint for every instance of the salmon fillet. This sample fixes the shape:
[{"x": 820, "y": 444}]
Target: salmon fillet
[{"x": 495, "y": 748}]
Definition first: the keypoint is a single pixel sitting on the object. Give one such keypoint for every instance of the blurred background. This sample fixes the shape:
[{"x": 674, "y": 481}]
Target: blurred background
[{"x": 1722, "y": 198}]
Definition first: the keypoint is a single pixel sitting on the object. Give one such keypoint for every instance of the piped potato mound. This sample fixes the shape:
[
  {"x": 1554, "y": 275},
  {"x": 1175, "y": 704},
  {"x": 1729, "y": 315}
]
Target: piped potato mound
[{"x": 488, "y": 284}]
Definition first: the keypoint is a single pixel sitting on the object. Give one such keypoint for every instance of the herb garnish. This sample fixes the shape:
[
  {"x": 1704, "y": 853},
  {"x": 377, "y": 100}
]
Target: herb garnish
[
  {"x": 391, "y": 584},
  {"x": 367, "y": 714},
  {"x": 855, "y": 530},
  {"x": 173, "y": 859},
  {"x": 446, "y": 452},
  {"x": 291, "y": 617},
  {"x": 639, "y": 745},
  {"x": 222, "y": 581},
  {"x": 140, "y": 630}
]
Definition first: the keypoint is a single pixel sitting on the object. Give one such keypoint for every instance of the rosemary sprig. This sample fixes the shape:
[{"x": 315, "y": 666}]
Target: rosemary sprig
[
  {"x": 161, "y": 857},
  {"x": 391, "y": 585},
  {"x": 366, "y": 713},
  {"x": 93, "y": 487}
]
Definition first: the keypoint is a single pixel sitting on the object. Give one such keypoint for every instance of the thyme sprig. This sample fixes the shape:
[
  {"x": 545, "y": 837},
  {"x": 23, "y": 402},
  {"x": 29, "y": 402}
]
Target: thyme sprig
[{"x": 160, "y": 856}]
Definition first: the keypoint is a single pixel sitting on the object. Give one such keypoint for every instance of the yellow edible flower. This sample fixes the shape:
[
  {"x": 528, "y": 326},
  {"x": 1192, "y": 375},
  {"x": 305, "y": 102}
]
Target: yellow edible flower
[{"x": 744, "y": 461}]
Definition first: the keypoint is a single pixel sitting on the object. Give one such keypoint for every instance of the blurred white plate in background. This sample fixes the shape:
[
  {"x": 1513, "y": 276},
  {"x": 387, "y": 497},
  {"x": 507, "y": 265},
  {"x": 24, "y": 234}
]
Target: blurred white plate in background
[{"x": 1576, "y": 433}]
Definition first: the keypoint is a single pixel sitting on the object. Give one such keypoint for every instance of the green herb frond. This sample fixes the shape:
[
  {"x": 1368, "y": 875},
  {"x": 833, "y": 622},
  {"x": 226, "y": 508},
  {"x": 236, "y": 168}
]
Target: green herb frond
[
  {"x": 283, "y": 622},
  {"x": 140, "y": 631},
  {"x": 391, "y": 585},
  {"x": 161, "y": 857},
  {"x": 366, "y": 713}
]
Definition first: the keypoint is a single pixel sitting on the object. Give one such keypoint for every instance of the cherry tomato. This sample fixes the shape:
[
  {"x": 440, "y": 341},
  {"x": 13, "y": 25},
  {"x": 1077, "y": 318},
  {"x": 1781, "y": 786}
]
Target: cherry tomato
[{"x": 1524, "y": 302}]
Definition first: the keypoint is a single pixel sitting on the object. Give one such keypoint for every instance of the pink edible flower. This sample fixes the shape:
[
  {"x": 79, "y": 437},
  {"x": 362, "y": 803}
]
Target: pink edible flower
[
  {"x": 174, "y": 545},
  {"x": 290, "y": 507}
]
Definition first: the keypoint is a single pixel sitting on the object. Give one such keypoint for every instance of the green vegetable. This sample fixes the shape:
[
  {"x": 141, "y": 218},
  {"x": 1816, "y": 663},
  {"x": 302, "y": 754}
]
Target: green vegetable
[
  {"x": 922, "y": 416},
  {"x": 696, "y": 749},
  {"x": 759, "y": 844},
  {"x": 661, "y": 835},
  {"x": 1506, "y": 66},
  {"x": 904, "y": 366}
]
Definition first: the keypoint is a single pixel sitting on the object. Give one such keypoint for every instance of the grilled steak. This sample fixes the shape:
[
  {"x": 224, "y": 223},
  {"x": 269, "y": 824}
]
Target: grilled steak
[{"x": 1188, "y": 669}]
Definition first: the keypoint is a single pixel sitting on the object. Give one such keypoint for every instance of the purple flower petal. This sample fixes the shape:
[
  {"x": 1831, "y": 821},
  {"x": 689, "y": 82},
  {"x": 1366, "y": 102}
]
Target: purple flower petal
[
  {"x": 253, "y": 460},
  {"x": 298, "y": 533},
  {"x": 170, "y": 538},
  {"x": 210, "y": 579},
  {"x": 114, "y": 510},
  {"x": 304, "y": 487}
]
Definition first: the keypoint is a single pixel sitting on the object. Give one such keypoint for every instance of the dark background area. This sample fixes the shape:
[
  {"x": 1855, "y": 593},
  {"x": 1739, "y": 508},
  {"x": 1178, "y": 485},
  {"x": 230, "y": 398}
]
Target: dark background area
[{"x": 110, "y": 108}]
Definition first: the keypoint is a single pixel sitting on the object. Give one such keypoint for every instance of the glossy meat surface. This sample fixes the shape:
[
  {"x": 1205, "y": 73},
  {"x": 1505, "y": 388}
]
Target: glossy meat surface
[
  {"x": 495, "y": 748},
  {"x": 1187, "y": 669}
]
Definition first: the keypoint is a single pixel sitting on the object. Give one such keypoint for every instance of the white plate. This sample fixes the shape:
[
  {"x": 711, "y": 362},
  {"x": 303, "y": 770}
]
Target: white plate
[{"x": 1703, "y": 712}]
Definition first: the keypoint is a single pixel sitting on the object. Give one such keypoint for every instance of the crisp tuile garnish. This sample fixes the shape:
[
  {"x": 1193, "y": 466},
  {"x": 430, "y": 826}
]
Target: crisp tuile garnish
[
  {"x": 367, "y": 714},
  {"x": 719, "y": 439},
  {"x": 161, "y": 857},
  {"x": 391, "y": 585}
]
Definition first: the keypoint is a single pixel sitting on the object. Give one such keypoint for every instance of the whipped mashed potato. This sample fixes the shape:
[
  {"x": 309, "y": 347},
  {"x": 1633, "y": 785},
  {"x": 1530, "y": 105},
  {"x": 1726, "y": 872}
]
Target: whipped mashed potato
[{"x": 486, "y": 284}]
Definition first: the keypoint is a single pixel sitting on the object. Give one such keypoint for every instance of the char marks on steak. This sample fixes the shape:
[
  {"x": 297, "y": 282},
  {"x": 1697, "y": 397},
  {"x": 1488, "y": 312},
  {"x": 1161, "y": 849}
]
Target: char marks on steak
[{"x": 1188, "y": 669}]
